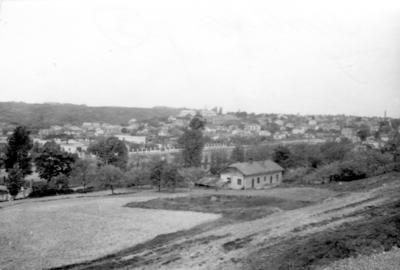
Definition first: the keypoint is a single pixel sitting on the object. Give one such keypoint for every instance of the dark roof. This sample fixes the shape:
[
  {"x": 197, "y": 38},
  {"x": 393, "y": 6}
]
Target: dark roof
[
  {"x": 256, "y": 167},
  {"x": 209, "y": 181},
  {"x": 3, "y": 189}
]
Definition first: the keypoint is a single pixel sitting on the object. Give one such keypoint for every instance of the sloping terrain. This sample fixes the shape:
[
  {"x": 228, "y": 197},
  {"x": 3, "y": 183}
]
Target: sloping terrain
[
  {"x": 44, "y": 115},
  {"x": 43, "y": 234},
  {"x": 270, "y": 242}
]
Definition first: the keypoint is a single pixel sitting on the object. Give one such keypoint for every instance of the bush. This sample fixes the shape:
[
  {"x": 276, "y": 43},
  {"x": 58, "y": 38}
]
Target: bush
[
  {"x": 137, "y": 177},
  {"x": 296, "y": 175},
  {"x": 41, "y": 189},
  {"x": 324, "y": 174}
]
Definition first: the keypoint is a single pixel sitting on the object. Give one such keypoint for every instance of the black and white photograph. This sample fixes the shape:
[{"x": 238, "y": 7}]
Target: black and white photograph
[{"x": 199, "y": 135}]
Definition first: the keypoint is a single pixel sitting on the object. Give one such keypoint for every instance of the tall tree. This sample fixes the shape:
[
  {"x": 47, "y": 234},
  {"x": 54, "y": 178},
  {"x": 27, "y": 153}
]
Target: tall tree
[
  {"x": 282, "y": 156},
  {"x": 363, "y": 132},
  {"x": 170, "y": 176},
  {"x": 17, "y": 151},
  {"x": 110, "y": 176},
  {"x": 14, "y": 180},
  {"x": 191, "y": 175},
  {"x": 192, "y": 142},
  {"x": 219, "y": 161},
  {"x": 52, "y": 161},
  {"x": 156, "y": 173},
  {"x": 393, "y": 146},
  {"x": 111, "y": 151},
  {"x": 237, "y": 154},
  {"x": 83, "y": 172}
]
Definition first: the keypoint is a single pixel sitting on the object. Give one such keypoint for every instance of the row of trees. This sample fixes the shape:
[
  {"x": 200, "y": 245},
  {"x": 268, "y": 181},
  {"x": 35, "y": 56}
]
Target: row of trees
[{"x": 60, "y": 169}]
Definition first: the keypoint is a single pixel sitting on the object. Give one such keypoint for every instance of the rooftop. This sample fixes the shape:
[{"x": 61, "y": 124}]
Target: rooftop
[{"x": 256, "y": 167}]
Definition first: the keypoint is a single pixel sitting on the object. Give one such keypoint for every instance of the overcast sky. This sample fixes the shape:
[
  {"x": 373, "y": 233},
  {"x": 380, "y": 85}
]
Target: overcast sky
[{"x": 286, "y": 56}]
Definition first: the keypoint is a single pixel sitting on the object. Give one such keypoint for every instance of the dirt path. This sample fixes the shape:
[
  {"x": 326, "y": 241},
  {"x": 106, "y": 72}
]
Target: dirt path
[{"x": 225, "y": 247}]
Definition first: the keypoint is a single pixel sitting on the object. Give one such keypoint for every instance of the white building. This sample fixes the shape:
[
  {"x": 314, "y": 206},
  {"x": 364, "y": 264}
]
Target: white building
[
  {"x": 132, "y": 139},
  {"x": 252, "y": 175}
]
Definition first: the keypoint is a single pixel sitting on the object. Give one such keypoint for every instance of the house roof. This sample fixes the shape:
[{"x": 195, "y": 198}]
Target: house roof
[
  {"x": 256, "y": 167},
  {"x": 209, "y": 181},
  {"x": 3, "y": 189}
]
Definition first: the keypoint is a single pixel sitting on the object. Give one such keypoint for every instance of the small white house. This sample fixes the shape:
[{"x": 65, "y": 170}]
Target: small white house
[{"x": 252, "y": 175}]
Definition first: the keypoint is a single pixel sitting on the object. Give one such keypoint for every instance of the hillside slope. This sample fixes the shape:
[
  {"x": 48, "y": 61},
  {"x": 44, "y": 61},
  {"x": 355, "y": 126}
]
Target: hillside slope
[{"x": 44, "y": 115}]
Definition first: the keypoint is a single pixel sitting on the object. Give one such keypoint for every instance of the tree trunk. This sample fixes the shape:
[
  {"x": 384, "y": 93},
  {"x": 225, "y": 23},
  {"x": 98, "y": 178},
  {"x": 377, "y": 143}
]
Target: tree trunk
[{"x": 112, "y": 189}]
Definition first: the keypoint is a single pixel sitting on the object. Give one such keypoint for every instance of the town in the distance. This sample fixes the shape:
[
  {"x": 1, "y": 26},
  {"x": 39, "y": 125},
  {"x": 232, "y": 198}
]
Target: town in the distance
[{"x": 160, "y": 134}]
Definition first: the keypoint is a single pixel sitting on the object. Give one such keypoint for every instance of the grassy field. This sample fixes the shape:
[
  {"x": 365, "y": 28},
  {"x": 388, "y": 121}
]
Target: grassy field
[
  {"x": 46, "y": 234},
  {"x": 278, "y": 228},
  {"x": 232, "y": 207}
]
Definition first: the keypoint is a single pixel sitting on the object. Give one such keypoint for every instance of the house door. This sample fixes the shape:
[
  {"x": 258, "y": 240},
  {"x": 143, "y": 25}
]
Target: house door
[{"x": 252, "y": 183}]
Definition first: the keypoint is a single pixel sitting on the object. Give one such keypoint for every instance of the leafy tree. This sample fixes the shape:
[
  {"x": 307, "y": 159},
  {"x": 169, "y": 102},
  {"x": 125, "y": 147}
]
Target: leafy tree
[
  {"x": 197, "y": 123},
  {"x": 138, "y": 176},
  {"x": 259, "y": 152},
  {"x": 3, "y": 148},
  {"x": 335, "y": 151},
  {"x": 53, "y": 161},
  {"x": 17, "y": 151},
  {"x": 83, "y": 172},
  {"x": 170, "y": 176},
  {"x": 282, "y": 156},
  {"x": 191, "y": 175},
  {"x": 393, "y": 146},
  {"x": 15, "y": 180},
  {"x": 192, "y": 142},
  {"x": 363, "y": 133},
  {"x": 60, "y": 182},
  {"x": 110, "y": 176},
  {"x": 237, "y": 154},
  {"x": 111, "y": 151},
  {"x": 219, "y": 160},
  {"x": 156, "y": 173}
]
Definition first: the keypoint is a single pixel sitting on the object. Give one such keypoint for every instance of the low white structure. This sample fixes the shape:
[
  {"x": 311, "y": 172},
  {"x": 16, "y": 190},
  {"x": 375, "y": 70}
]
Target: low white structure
[
  {"x": 132, "y": 139},
  {"x": 252, "y": 175}
]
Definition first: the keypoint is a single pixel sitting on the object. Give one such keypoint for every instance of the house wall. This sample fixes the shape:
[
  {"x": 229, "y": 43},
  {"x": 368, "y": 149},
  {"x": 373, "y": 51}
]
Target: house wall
[
  {"x": 246, "y": 182},
  {"x": 262, "y": 180},
  {"x": 233, "y": 176}
]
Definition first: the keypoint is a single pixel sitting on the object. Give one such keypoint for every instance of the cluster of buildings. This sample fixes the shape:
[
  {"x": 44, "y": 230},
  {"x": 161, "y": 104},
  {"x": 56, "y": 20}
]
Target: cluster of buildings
[{"x": 222, "y": 128}]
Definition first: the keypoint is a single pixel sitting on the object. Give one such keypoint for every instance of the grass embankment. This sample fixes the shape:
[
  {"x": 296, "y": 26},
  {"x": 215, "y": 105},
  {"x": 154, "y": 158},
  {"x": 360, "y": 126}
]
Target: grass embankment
[
  {"x": 378, "y": 231},
  {"x": 158, "y": 250},
  {"x": 233, "y": 208}
]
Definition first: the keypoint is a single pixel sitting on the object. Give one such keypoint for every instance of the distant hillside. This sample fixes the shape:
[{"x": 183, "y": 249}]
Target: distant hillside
[{"x": 44, "y": 115}]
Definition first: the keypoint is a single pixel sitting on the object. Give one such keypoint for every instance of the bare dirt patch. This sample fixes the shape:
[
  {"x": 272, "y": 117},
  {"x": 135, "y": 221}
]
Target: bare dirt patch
[{"x": 238, "y": 208}]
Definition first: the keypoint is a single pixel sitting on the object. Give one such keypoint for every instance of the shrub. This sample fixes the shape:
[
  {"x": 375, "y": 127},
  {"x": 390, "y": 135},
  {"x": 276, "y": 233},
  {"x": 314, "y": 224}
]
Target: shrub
[
  {"x": 324, "y": 174},
  {"x": 41, "y": 189},
  {"x": 137, "y": 177},
  {"x": 296, "y": 175}
]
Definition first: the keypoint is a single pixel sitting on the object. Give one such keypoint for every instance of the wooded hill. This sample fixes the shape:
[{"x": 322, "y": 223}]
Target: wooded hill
[{"x": 46, "y": 114}]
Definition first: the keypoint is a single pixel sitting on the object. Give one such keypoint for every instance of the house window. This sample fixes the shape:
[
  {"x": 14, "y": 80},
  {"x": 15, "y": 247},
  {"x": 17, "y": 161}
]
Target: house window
[
  {"x": 229, "y": 180},
  {"x": 239, "y": 181},
  {"x": 277, "y": 177},
  {"x": 258, "y": 180}
]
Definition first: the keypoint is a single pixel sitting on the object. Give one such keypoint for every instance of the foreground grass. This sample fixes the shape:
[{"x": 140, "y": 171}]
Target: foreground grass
[
  {"x": 232, "y": 208},
  {"x": 379, "y": 231}
]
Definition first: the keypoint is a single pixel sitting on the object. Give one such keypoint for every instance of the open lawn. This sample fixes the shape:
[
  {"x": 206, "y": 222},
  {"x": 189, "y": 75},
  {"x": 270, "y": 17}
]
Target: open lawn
[{"x": 43, "y": 234}]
